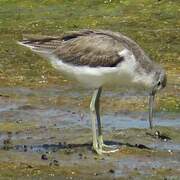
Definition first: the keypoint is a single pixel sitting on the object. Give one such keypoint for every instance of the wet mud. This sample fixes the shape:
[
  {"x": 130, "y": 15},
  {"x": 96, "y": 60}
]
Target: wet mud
[{"x": 41, "y": 138}]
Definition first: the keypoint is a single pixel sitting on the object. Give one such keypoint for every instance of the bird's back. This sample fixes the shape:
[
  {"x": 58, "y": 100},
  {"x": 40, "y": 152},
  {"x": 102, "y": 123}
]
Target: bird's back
[
  {"x": 87, "y": 47},
  {"x": 94, "y": 54}
]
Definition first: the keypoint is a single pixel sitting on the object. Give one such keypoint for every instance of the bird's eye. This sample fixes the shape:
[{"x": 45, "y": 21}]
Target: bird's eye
[{"x": 159, "y": 83}]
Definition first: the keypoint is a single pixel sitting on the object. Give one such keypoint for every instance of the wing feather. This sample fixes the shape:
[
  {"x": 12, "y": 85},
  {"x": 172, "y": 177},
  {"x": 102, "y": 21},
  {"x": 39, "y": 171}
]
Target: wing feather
[
  {"x": 90, "y": 49},
  {"x": 82, "y": 48}
]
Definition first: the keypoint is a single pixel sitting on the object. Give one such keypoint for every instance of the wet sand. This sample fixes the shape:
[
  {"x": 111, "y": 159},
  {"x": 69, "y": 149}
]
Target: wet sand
[{"x": 42, "y": 137}]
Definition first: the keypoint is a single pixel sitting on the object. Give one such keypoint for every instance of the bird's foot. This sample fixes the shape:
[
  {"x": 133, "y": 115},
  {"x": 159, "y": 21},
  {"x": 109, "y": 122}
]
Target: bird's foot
[
  {"x": 110, "y": 146},
  {"x": 103, "y": 148},
  {"x": 102, "y": 151},
  {"x": 102, "y": 144}
]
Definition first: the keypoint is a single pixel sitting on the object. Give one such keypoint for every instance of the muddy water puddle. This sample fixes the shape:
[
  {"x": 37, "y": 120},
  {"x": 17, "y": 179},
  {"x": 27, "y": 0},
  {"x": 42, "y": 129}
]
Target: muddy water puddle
[{"x": 46, "y": 133}]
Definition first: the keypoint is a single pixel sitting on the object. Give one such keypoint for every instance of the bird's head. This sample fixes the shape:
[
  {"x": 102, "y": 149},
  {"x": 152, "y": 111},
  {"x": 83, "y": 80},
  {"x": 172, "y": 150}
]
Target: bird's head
[{"x": 160, "y": 80}]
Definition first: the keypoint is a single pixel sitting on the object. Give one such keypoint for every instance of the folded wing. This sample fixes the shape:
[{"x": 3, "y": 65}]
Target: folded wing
[{"x": 81, "y": 48}]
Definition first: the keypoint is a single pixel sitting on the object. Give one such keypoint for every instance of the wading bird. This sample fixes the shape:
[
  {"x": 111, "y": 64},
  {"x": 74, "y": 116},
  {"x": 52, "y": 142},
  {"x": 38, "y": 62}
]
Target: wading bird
[{"x": 96, "y": 58}]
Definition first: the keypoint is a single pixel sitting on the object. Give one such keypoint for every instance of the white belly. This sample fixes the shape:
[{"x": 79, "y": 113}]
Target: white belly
[{"x": 95, "y": 76}]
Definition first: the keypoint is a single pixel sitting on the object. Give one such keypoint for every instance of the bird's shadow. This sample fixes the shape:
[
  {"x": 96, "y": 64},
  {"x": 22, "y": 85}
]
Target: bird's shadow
[{"x": 65, "y": 146}]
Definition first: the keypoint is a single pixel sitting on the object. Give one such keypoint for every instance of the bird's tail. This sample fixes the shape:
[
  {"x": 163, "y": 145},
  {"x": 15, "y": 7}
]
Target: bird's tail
[{"x": 40, "y": 44}]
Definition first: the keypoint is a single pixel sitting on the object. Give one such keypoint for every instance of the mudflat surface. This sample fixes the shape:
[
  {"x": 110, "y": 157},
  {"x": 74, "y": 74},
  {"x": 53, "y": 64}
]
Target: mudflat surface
[{"x": 41, "y": 137}]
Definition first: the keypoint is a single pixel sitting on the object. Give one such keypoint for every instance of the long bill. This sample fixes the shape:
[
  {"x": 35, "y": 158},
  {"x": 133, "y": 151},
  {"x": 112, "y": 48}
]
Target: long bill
[{"x": 151, "y": 109}]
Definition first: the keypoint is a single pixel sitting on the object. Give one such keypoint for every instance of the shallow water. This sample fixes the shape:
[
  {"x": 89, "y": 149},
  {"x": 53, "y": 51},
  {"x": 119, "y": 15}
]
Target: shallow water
[{"x": 34, "y": 123}]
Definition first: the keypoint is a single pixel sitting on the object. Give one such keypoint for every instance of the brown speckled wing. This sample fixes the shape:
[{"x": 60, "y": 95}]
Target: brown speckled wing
[
  {"x": 89, "y": 49},
  {"x": 79, "y": 48}
]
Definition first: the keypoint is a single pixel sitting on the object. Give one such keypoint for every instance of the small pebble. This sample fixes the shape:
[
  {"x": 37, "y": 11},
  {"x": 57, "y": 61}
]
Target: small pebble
[
  {"x": 70, "y": 146},
  {"x": 29, "y": 166},
  {"x": 44, "y": 157},
  {"x": 7, "y": 141},
  {"x": 25, "y": 148},
  {"x": 112, "y": 171},
  {"x": 9, "y": 133},
  {"x": 80, "y": 156},
  {"x": 55, "y": 162}
]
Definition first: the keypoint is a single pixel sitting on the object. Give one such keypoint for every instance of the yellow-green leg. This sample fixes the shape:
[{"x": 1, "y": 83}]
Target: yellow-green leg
[{"x": 98, "y": 143}]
